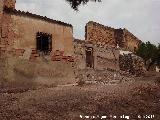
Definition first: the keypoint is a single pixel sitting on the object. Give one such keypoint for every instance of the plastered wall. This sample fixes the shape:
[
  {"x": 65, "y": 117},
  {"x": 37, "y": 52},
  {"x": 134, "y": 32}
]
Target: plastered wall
[
  {"x": 104, "y": 56},
  {"x": 26, "y": 28},
  {"x": 18, "y": 45}
]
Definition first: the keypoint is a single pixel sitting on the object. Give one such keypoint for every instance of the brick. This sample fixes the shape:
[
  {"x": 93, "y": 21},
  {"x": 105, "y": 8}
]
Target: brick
[
  {"x": 57, "y": 53},
  {"x": 71, "y": 59},
  {"x": 61, "y": 53},
  {"x": 19, "y": 52},
  {"x": 36, "y": 55},
  {"x": 56, "y": 58},
  {"x": 34, "y": 51}
]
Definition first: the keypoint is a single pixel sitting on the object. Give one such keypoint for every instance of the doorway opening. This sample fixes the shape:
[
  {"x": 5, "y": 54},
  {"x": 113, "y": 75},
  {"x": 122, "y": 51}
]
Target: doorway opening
[{"x": 89, "y": 57}]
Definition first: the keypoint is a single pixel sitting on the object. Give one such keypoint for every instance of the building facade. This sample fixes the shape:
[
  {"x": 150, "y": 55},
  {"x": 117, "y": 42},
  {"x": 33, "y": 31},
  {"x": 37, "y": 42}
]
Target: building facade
[
  {"x": 38, "y": 41},
  {"x": 41, "y": 50}
]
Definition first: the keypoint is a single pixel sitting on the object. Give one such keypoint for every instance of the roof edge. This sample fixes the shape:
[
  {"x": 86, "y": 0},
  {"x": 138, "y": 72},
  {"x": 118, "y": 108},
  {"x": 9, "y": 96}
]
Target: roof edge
[
  {"x": 99, "y": 24},
  {"x": 18, "y": 12}
]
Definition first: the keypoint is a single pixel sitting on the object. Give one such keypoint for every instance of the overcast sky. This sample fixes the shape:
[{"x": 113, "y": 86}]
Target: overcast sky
[{"x": 141, "y": 17}]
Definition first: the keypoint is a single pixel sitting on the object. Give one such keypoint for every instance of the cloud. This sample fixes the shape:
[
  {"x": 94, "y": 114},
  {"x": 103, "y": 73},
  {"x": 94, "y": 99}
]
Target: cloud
[{"x": 141, "y": 17}]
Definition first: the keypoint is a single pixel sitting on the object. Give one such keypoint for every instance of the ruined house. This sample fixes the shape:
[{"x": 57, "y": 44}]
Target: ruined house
[
  {"x": 34, "y": 46},
  {"x": 41, "y": 50},
  {"x": 99, "y": 58},
  {"x": 95, "y": 62}
]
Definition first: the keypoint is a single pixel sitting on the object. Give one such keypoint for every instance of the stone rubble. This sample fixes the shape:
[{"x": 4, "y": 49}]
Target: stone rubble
[
  {"x": 132, "y": 64},
  {"x": 103, "y": 77}
]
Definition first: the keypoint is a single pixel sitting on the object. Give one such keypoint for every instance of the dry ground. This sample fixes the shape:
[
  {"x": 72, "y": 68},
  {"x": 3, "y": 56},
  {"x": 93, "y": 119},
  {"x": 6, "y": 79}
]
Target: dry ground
[{"x": 68, "y": 103}]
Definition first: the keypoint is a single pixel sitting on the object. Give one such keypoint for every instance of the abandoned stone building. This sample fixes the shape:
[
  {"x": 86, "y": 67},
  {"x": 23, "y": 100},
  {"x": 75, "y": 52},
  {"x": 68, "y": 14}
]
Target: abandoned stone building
[
  {"x": 100, "y": 54},
  {"x": 29, "y": 41},
  {"x": 42, "y": 50}
]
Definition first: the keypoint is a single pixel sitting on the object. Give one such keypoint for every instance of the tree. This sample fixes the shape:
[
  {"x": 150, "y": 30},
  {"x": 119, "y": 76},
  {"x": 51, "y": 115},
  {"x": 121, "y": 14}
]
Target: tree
[
  {"x": 158, "y": 56},
  {"x": 142, "y": 52},
  {"x": 76, "y": 3},
  {"x": 150, "y": 53}
]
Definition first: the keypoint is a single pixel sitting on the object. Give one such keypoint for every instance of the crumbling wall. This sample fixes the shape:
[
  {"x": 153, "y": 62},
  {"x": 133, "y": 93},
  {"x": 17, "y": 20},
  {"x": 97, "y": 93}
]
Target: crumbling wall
[
  {"x": 104, "y": 57},
  {"x": 80, "y": 55},
  {"x": 110, "y": 65},
  {"x": 107, "y": 58},
  {"x": 103, "y": 77},
  {"x": 131, "y": 42},
  {"x": 23, "y": 61},
  {"x": 9, "y": 3},
  {"x": 6, "y": 43},
  {"x": 45, "y": 73},
  {"x": 26, "y": 29},
  {"x": 122, "y": 38},
  {"x": 98, "y": 33},
  {"x": 132, "y": 64},
  {"x": 106, "y": 62}
]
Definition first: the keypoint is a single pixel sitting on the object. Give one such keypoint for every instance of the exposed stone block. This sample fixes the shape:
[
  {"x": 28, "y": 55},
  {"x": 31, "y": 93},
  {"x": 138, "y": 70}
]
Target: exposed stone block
[{"x": 56, "y": 58}]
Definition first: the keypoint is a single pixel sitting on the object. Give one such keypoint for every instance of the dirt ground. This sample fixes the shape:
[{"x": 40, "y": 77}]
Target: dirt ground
[{"x": 131, "y": 100}]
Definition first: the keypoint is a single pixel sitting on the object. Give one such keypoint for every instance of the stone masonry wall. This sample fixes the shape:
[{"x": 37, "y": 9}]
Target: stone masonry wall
[
  {"x": 132, "y": 64},
  {"x": 106, "y": 62},
  {"x": 104, "y": 57},
  {"x": 98, "y": 33},
  {"x": 106, "y": 69},
  {"x": 9, "y": 3},
  {"x": 62, "y": 36},
  {"x": 18, "y": 46},
  {"x": 80, "y": 55},
  {"x": 131, "y": 42}
]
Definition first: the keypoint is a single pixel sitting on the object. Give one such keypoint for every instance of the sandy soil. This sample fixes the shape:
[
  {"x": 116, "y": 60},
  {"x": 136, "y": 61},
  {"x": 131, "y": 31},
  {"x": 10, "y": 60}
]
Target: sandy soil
[{"x": 76, "y": 102}]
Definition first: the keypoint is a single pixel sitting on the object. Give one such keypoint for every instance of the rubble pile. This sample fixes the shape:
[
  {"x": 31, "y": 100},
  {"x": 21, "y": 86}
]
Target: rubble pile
[
  {"x": 131, "y": 64},
  {"x": 102, "y": 76}
]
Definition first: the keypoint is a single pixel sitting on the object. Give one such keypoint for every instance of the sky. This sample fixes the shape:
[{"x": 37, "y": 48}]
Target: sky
[{"x": 141, "y": 17}]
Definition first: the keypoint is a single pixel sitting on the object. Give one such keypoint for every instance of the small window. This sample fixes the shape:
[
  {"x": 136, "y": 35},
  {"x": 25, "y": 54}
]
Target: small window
[{"x": 44, "y": 42}]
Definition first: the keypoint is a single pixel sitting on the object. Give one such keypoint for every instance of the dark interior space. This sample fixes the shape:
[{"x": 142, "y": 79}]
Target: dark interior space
[
  {"x": 44, "y": 42},
  {"x": 89, "y": 57}
]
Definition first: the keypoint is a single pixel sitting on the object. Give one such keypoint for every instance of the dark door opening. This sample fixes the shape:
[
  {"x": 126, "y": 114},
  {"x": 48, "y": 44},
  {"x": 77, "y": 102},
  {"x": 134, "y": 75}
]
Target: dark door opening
[
  {"x": 89, "y": 57},
  {"x": 44, "y": 42}
]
